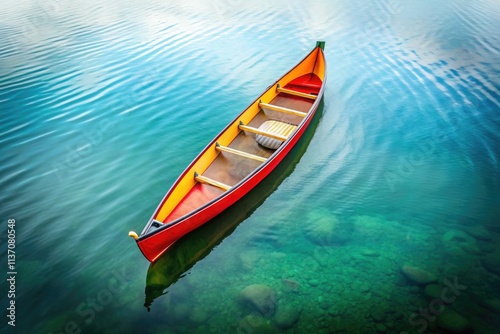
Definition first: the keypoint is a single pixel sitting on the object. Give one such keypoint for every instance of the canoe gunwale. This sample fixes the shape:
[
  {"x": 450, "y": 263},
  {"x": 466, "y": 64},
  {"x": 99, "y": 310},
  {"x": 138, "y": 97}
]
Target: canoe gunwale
[{"x": 291, "y": 140}]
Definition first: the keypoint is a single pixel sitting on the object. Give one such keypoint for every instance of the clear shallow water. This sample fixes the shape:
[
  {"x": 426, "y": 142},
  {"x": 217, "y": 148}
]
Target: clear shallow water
[{"x": 103, "y": 105}]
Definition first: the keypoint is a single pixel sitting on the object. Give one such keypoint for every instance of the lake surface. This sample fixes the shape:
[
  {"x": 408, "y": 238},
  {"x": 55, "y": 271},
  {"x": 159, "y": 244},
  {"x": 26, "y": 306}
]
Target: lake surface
[{"x": 385, "y": 219}]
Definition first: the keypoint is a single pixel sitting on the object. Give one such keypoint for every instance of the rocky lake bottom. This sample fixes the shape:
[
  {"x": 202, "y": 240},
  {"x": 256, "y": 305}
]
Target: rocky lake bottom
[{"x": 332, "y": 274}]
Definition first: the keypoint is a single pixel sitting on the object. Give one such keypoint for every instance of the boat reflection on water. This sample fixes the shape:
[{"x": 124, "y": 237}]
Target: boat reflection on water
[{"x": 193, "y": 247}]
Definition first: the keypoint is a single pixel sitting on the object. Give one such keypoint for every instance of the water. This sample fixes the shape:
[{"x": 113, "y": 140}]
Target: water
[{"x": 103, "y": 104}]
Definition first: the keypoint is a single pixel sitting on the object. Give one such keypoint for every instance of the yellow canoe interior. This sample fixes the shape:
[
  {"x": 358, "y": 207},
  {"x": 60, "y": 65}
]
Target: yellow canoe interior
[{"x": 235, "y": 153}]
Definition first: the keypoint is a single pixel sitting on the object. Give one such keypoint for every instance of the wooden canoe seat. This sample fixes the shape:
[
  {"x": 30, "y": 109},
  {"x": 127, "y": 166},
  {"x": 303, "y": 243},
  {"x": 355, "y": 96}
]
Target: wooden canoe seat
[
  {"x": 209, "y": 181},
  {"x": 271, "y": 134},
  {"x": 282, "y": 109},
  {"x": 296, "y": 93},
  {"x": 221, "y": 148}
]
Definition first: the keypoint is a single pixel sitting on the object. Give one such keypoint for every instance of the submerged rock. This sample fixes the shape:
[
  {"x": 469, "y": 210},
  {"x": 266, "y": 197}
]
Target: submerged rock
[
  {"x": 364, "y": 288},
  {"x": 456, "y": 236},
  {"x": 479, "y": 232},
  {"x": 371, "y": 227},
  {"x": 370, "y": 253},
  {"x": 457, "y": 240},
  {"x": 417, "y": 275},
  {"x": 453, "y": 322},
  {"x": 325, "y": 229},
  {"x": 433, "y": 291},
  {"x": 491, "y": 304},
  {"x": 286, "y": 317},
  {"x": 338, "y": 309},
  {"x": 260, "y": 297},
  {"x": 291, "y": 284},
  {"x": 313, "y": 282}
]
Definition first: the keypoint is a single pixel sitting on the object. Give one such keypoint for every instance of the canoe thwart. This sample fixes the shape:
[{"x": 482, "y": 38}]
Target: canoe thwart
[
  {"x": 244, "y": 127},
  {"x": 209, "y": 181},
  {"x": 296, "y": 93},
  {"x": 220, "y": 148},
  {"x": 282, "y": 109}
]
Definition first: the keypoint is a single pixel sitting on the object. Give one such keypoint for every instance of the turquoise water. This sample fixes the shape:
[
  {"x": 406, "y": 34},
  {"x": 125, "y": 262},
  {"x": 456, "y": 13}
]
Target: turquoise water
[{"x": 393, "y": 196}]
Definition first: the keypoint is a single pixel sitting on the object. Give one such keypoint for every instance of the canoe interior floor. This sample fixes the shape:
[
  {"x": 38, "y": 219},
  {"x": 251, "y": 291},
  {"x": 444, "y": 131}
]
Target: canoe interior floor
[
  {"x": 229, "y": 168},
  {"x": 196, "y": 197}
]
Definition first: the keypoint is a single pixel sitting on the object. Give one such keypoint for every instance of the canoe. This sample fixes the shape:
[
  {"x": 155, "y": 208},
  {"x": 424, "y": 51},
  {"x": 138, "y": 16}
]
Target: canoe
[{"x": 247, "y": 150}]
